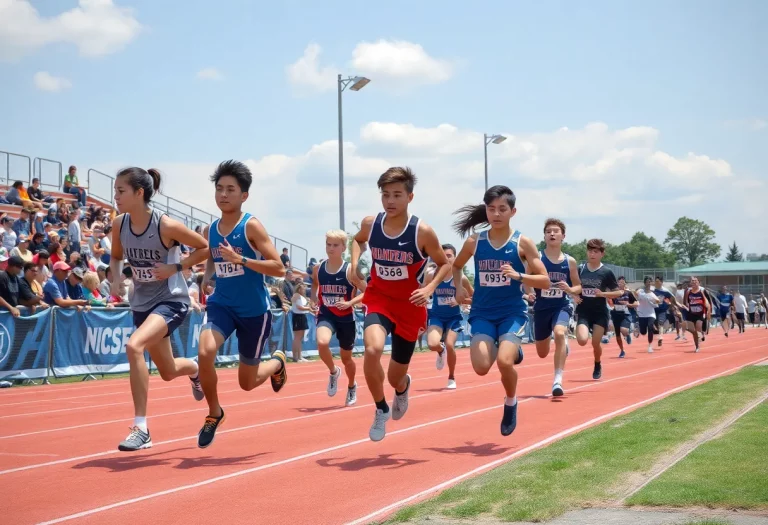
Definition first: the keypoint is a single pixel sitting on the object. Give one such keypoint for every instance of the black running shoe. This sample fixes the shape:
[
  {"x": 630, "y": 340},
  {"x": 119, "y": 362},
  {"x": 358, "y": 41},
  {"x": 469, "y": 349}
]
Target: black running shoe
[
  {"x": 509, "y": 420},
  {"x": 279, "y": 379},
  {"x": 597, "y": 373},
  {"x": 208, "y": 432}
]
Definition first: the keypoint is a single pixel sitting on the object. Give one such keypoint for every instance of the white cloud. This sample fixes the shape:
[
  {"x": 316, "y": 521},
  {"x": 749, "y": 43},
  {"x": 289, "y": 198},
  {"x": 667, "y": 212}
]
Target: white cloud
[
  {"x": 400, "y": 60},
  {"x": 95, "y": 27},
  {"x": 44, "y": 81},
  {"x": 210, "y": 73},
  {"x": 602, "y": 182},
  {"x": 388, "y": 63},
  {"x": 306, "y": 72}
]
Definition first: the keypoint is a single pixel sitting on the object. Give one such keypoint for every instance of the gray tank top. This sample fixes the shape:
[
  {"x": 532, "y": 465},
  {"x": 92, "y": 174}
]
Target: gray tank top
[{"x": 143, "y": 251}]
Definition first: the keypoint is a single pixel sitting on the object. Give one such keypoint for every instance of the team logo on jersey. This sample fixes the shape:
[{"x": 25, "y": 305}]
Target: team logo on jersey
[{"x": 5, "y": 344}]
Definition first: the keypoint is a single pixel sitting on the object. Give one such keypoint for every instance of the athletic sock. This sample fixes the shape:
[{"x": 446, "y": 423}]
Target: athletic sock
[
  {"x": 404, "y": 391},
  {"x": 510, "y": 402},
  {"x": 140, "y": 422},
  {"x": 382, "y": 405},
  {"x": 559, "y": 375}
]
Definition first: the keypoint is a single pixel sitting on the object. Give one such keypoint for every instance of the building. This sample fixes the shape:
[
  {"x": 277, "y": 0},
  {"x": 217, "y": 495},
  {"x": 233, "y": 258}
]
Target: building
[{"x": 749, "y": 277}]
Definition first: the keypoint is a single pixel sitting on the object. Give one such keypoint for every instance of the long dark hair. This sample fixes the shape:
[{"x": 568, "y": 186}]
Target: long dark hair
[
  {"x": 147, "y": 180},
  {"x": 474, "y": 215}
]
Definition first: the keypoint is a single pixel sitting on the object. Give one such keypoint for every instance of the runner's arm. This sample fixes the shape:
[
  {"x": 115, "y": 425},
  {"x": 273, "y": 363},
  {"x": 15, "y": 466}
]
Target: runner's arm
[
  {"x": 433, "y": 249},
  {"x": 116, "y": 257},
  {"x": 537, "y": 276},
  {"x": 468, "y": 289},
  {"x": 315, "y": 285},
  {"x": 467, "y": 251},
  {"x": 573, "y": 266},
  {"x": 178, "y": 232},
  {"x": 359, "y": 245}
]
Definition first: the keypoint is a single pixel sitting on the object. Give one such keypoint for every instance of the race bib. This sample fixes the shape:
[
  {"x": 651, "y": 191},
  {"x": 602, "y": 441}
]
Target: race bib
[
  {"x": 331, "y": 300},
  {"x": 445, "y": 301},
  {"x": 392, "y": 273},
  {"x": 697, "y": 308},
  {"x": 228, "y": 269},
  {"x": 620, "y": 307},
  {"x": 494, "y": 279},
  {"x": 552, "y": 293},
  {"x": 143, "y": 275},
  {"x": 589, "y": 292}
]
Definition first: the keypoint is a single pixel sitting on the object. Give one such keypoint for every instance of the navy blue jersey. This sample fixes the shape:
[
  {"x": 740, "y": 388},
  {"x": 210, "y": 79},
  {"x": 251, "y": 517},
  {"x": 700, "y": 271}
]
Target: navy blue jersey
[
  {"x": 621, "y": 302},
  {"x": 553, "y": 297},
  {"x": 662, "y": 294},
  {"x": 442, "y": 299},
  {"x": 333, "y": 288},
  {"x": 398, "y": 264}
]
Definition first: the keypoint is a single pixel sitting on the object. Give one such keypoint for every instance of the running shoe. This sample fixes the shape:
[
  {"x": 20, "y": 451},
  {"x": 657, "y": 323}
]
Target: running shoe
[
  {"x": 509, "y": 419},
  {"x": 597, "y": 373},
  {"x": 351, "y": 396},
  {"x": 629, "y": 339},
  {"x": 400, "y": 402},
  {"x": 379, "y": 428},
  {"x": 136, "y": 440},
  {"x": 333, "y": 382},
  {"x": 279, "y": 379},
  {"x": 208, "y": 432},
  {"x": 197, "y": 389},
  {"x": 451, "y": 384},
  {"x": 622, "y": 354},
  {"x": 557, "y": 390},
  {"x": 440, "y": 360},
  {"x": 650, "y": 349}
]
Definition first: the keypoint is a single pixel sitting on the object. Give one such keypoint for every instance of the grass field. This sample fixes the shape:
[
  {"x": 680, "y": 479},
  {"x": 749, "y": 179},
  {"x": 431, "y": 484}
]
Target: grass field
[
  {"x": 593, "y": 467},
  {"x": 730, "y": 471}
]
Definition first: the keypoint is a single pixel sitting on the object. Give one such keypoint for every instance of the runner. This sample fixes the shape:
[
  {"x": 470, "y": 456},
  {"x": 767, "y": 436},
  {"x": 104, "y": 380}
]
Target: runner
[
  {"x": 160, "y": 299},
  {"x": 598, "y": 283},
  {"x": 726, "y": 300},
  {"x": 444, "y": 323},
  {"x": 680, "y": 314},
  {"x": 662, "y": 308},
  {"x": 698, "y": 306},
  {"x": 620, "y": 315},
  {"x": 333, "y": 290},
  {"x": 647, "y": 310},
  {"x": 551, "y": 311},
  {"x": 394, "y": 303},
  {"x": 710, "y": 317},
  {"x": 242, "y": 253},
  {"x": 499, "y": 313},
  {"x": 740, "y": 309}
]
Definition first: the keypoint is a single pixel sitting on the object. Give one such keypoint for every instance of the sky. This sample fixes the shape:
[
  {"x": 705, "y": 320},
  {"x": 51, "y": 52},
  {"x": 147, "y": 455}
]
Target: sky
[{"x": 619, "y": 116}]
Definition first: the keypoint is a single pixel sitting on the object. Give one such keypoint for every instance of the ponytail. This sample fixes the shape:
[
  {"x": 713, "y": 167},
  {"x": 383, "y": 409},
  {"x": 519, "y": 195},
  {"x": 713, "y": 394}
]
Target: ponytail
[
  {"x": 156, "y": 178},
  {"x": 474, "y": 215}
]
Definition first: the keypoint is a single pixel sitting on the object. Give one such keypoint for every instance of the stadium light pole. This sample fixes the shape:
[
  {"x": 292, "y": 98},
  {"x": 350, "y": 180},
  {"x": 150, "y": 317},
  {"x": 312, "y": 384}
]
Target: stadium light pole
[
  {"x": 487, "y": 139},
  {"x": 355, "y": 84}
]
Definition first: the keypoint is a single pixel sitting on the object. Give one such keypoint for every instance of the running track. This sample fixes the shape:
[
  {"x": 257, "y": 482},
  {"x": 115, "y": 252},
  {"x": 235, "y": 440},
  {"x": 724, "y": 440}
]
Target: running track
[{"x": 301, "y": 457}]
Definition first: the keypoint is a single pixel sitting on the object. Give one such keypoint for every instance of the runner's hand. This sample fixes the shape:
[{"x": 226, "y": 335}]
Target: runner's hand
[
  {"x": 420, "y": 297},
  {"x": 164, "y": 271},
  {"x": 510, "y": 272},
  {"x": 461, "y": 294},
  {"x": 342, "y": 305},
  {"x": 563, "y": 286},
  {"x": 228, "y": 254}
]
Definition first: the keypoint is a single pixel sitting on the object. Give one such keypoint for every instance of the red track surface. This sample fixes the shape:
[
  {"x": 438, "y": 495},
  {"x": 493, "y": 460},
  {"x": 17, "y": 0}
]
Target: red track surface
[{"x": 300, "y": 457}]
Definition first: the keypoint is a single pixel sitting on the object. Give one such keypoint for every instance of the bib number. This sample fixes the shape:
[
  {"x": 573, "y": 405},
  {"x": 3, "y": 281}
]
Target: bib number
[
  {"x": 445, "y": 301},
  {"x": 331, "y": 300},
  {"x": 620, "y": 307},
  {"x": 392, "y": 273},
  {"x": 552, "y": 293},
  {"x": 228, "y": 269},
  {"x": 143, "y": 275},
  {"x": 494, "y": 279},
  {"x": 589, "y": 292}
]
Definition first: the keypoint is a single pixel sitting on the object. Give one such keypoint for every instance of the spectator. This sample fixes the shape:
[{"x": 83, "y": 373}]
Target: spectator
[
  {"x": 22, "y": 250},
  {"x": 36, "y": 194},
  {"x": 284, "y": 257},
  {"x": 11, "y": 293},
  {"x": 105, "y": 242},
  {"x": 91, "y": 290},
  {"x": 37, "y": 244},
  {"x": 22, "y": 225},
  {"x": 197, "y": 296},
  {"x": 9, "y": 236},
  {"x": 38, "y": 226},
  {"x": 72, "y": 185},
  {"x": 18, "y": 196},
  {"x": 41, "y": 259},
  {"x": 299, "y": 310},
  {"x": 55, "y": 290},
  {"x": 32, "y": 285},
  {"x": 3, "y": 258},
  {"x": 74, "y": 231}
]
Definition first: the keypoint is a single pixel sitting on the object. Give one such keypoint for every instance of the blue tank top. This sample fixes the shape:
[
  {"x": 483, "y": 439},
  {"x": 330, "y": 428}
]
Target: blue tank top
[
  {"x": 332, "y": 288},
  {"x": 441, "y": 301},
  {"x": 497, "y": 296},
  {"x": 554, "y": 297},
  {"x": 237, "y": 288}
]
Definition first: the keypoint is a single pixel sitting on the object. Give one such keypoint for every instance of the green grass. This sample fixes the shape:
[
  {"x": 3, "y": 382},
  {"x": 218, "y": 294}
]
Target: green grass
[
  {"x": 730, "y": 471},
  {"x": 593, "y": 467}
]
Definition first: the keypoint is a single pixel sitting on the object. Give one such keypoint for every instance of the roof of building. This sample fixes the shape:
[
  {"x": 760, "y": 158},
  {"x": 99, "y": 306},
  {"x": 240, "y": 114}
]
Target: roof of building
[{"x": 727, "y": 268}]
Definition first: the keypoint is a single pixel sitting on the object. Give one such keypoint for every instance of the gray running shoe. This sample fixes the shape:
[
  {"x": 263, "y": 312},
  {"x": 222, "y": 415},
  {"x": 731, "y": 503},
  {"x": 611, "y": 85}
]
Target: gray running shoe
[
  {"x": 136, "y": 440},
  {"x": 400, "y": 403},
  {"x": 197, "y": 389},
  {"x": 379, "y": 427},
  {"x": 333, "y": 382}
]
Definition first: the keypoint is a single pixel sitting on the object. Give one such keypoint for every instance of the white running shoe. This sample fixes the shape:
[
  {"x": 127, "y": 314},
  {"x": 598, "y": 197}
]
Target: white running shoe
[
  {"x": 351, "y": 395},
  {"x": 333, "y": 382},
  {"x": 379, "y": 428},
  {"x": 650, "y": 349},
  {"x": 440, "y": 360},
  {"x": 451, "y": 384},
  {"x": 400, "y": 402},
  {"x": 557, "y": 390}
]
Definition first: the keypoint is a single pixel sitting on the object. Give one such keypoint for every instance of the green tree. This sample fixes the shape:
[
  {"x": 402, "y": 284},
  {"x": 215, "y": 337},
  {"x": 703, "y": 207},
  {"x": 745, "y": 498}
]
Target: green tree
[
  {"x": 642, "y": 251},
  {"x": 692, "y": 242},
  {"x": 734, "y": 255},
  {"x": 364, "y": 264}
]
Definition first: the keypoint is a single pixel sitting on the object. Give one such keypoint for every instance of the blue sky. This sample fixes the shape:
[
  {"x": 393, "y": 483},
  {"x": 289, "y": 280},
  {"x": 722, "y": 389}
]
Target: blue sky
[{"x": 690, "y": 76}]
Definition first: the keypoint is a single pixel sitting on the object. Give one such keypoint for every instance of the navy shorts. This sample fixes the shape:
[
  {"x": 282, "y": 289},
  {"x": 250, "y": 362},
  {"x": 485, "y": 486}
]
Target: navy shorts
[
  {"x": 620, "y": 320},
  {"x": 593, "y": 317},
  {"x": 252, "y": 332},
  {"x": 661, "y": 318},
  {"x": 344, "y": 328},
  {"x": 452, "y": 323},
  {"x": 173, "y": 313},
  {"x": 544, "y": 321}
]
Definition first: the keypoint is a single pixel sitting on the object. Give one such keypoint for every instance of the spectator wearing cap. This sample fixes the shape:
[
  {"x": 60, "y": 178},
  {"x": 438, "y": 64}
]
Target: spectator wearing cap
[
  {"x": 55, "y": 291},
  {"x": 22, "y": 250},
  {"x": 37, "y": 244},
  {"x": 12, "y": 294},
  {"x": 22, "y": 225},
  {"x": 9, "y": 236},
  {"x": 41, "y": 259},
  {"x": 75, "y": 283}
]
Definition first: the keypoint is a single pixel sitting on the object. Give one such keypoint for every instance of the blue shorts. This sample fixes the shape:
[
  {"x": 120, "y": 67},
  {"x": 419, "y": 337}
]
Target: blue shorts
[
  {"x": 510, "y": 328},
  {"x": 544, "y": 321},
  {"x": 452, "y": 323},
  {"x": 252, "y": 332},
  {"x": 173, "y": 313},
  {"x": 725, "y": 312}
]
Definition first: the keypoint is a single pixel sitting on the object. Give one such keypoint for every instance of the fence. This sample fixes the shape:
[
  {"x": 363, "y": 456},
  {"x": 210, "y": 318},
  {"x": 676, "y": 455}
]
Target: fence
[{"x": 63, "y": 342}]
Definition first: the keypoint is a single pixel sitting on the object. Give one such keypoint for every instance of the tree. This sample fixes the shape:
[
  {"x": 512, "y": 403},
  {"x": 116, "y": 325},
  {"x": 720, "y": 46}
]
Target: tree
[
  {"x": 692, "y": 242},
  {"x": 642, "y": 251},
  {"x": 363, "y": 264},
  {"x": 734, "y": 255}
]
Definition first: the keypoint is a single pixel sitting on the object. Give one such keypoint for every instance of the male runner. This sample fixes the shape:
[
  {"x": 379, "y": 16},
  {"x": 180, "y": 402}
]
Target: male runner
[
  {"x": 444, "y": 323},
  {"x": 726, "y": 300},
  {"x": 242, "y": 253},
  {"x": 394, "y": 302},
  {"x": 333, "y": 290},
  {"x": 662, "y": 309},
  {"x": 620, "y": 315},
  {"x": 551, "y": 311},
  {"x": 598, "y": 283},
  {"x": 698, "y": 307}
]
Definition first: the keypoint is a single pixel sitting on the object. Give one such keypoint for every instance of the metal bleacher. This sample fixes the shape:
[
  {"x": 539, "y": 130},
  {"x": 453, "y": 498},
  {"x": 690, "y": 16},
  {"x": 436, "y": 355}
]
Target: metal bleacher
[{"x": 100, "y": 188}]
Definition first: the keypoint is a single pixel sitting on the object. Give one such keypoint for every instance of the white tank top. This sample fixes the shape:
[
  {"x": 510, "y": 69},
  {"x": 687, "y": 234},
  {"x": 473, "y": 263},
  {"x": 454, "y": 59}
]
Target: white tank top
[{"x": 301, "y": 302}]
